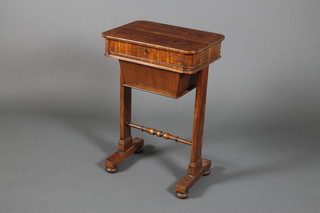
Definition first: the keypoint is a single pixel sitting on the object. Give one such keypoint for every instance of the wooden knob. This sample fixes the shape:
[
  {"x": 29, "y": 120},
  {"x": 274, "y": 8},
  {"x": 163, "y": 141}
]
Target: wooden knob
[{"x": 145, "y": 51}]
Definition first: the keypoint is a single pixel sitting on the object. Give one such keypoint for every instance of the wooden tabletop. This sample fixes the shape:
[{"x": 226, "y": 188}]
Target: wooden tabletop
[{"x": 163, "y": 36}]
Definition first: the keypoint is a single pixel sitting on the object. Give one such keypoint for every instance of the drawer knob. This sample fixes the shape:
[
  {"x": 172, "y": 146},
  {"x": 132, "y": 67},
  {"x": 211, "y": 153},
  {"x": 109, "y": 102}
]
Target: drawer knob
[{"x": 145, "y": 51}]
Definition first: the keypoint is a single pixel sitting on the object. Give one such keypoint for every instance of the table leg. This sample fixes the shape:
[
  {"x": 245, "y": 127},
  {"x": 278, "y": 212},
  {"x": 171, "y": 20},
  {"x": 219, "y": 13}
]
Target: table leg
[
  {"x": 126, "y": 145},
  {"x": 197, "y": 166}
]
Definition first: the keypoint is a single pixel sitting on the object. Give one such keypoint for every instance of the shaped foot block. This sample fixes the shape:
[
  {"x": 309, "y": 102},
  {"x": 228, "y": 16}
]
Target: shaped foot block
[
  {"x": 113, "y": 160},
  {"x": 183, "y": 186}
]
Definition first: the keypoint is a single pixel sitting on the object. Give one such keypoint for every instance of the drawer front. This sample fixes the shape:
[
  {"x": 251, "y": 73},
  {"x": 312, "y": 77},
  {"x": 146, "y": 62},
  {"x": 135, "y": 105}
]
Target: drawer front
[
  {"x": 160, "y": 58},
  {"x": 149, "y": 55}
]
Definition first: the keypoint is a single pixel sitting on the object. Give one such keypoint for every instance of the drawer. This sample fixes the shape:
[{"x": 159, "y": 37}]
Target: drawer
[
  {"x": 146, "y": 54},
  {"x": 160, "y": 58}
]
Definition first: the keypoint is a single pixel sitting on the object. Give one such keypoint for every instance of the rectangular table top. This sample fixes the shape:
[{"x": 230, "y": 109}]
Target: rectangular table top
[{"x": 163, "y": 36}]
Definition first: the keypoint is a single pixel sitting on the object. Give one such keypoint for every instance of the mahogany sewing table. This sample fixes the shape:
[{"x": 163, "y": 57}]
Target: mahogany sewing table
[{"x": 166, "y": 60}]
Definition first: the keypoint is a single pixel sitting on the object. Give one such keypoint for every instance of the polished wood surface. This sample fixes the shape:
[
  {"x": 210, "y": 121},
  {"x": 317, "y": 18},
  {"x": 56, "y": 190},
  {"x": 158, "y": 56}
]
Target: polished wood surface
[
  {"x": 163, "y": 46},
  {"x": 165, "y": 60},
  {"x": 164, "y": 36}
]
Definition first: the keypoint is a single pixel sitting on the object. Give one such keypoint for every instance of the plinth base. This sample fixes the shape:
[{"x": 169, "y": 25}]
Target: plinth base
[
  {"x": 183, "y": 186},
  {"x": 112, "y": 161}
]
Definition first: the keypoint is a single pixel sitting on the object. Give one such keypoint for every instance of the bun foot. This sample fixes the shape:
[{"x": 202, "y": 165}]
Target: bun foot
[
  {"x": 112, "y": 170},
  {"x": 207, "y": 173},
  {"x": 139, "y": 150},
  {"x": 182, "y": 195}
]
